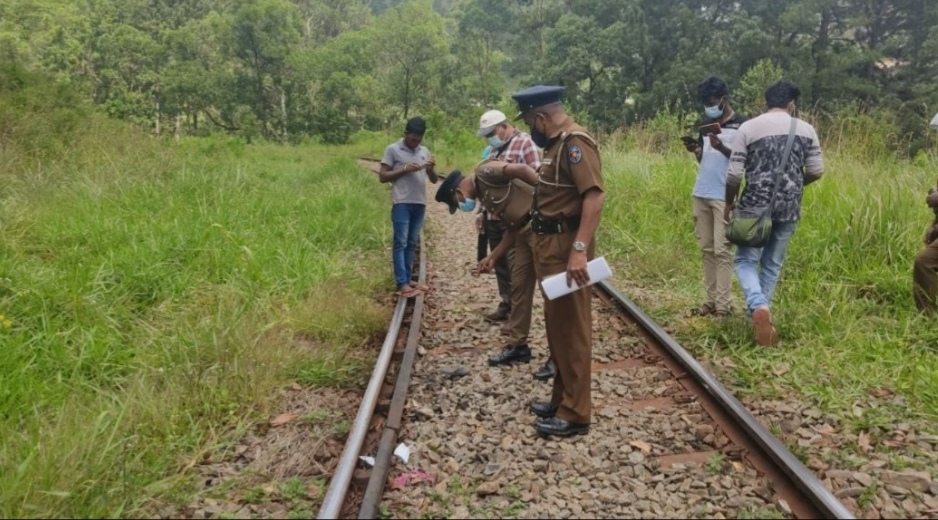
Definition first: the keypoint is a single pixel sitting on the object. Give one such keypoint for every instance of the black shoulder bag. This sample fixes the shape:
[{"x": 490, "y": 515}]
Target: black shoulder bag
[{"x": 752, "y": 227}]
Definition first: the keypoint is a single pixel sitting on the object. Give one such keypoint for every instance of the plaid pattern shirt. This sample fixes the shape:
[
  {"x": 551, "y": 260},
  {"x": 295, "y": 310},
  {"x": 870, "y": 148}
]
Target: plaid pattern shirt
[{"x": 520, "y": 149}]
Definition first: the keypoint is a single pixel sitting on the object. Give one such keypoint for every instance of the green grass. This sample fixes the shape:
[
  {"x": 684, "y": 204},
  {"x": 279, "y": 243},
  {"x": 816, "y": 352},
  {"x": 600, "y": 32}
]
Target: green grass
[
  {"x": 867, "y": 497},
  {"x": 293, "y": 489},
  {"x": 154, "y": 295},
  {"x": 715, "y": 463},
  {"x": 762, "y": 512},
  {"x": 843, "y": 306}
]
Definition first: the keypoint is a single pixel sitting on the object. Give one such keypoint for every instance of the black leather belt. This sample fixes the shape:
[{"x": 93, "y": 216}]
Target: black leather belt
[{"x": 554, "y": 227}]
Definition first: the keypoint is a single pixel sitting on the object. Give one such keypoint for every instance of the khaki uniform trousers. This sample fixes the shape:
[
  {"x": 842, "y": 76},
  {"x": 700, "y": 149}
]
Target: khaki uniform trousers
[
  {"x": 569, "y": 324},
  {"x": 925, "y": 278},
  {"x": 710, "y": 229},
  {"x": 523, "y": 283},
  {"x": 495, "y": 231}
]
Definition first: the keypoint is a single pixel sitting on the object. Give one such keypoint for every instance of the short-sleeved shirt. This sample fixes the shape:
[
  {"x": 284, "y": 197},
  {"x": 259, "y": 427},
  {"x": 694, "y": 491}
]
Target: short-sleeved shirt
[
  {"x": 711, "y": 176},
  {"x": 519, "y": 149},
  {"x": 506, "y": 198},
  {"x": 571, "y": 167},
  {"x": 757, "y": 153},
  {"x": 409, "y": 188}
]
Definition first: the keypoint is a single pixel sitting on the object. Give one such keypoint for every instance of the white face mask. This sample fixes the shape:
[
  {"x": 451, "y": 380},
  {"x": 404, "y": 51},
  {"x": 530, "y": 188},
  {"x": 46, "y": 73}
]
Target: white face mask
[{"x": 714, "y": 111}]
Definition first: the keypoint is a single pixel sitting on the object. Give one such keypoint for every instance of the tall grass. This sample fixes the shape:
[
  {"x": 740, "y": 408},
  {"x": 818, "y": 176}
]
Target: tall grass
[
  {"x": 844, "y": 304},
  {"x": 154, "y": 296}
]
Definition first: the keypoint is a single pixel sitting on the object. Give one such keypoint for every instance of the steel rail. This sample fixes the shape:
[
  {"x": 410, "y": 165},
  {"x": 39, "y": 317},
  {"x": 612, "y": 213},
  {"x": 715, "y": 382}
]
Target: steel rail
[
  {"x": 392, "y": 426},
  {"x": 825, "y": 502},
  {"x": 338, "y": 486}
]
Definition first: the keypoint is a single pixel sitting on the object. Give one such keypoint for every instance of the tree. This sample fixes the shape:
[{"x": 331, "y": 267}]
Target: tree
[
  {"x": 263, "y": 35},
  {"x": 410, "y": 43}
]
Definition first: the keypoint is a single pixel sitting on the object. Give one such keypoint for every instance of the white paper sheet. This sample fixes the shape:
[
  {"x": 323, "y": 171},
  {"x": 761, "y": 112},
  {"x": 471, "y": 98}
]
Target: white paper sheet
[
  {"x": 403, "y": 452},
  {"x": 934, "y": 121},
  {"x": 556, "y": 286},
  {"x": 368, "y": 460}
]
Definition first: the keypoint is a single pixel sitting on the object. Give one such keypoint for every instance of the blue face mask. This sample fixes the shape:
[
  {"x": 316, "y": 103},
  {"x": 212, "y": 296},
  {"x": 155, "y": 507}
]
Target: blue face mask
[
  {"x": 496, "y": 142},
  {"x": 467, "y": 205},
  {"x": 713, "y": 112}
]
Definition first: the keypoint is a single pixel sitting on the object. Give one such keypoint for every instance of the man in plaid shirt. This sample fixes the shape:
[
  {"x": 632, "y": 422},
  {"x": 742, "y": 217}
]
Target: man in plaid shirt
[{"x": 514, "y": 272}]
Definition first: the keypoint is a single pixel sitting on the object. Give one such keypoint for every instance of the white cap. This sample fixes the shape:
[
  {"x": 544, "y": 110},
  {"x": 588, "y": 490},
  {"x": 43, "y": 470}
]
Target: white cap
[
  {"x": 489, "y": 121},
  {"x": 934, "y": 122}
]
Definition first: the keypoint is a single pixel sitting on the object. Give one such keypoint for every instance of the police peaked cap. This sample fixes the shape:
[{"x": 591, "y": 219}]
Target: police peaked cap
[
  {"x": 536, "y": 97},
  {"x": 446, "y": 191}
]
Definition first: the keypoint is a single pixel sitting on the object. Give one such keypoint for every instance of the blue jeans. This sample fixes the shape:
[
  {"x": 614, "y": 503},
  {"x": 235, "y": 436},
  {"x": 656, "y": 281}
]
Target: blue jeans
[
  {"x": 758, "y": 282},
  {"x": 407, "y": 220}
]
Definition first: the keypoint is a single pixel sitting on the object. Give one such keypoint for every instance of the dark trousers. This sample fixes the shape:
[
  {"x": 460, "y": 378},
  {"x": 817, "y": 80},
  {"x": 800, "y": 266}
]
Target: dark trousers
[
  {"x": 925, "y": 278},
  {"x": 494, "y": 230}
]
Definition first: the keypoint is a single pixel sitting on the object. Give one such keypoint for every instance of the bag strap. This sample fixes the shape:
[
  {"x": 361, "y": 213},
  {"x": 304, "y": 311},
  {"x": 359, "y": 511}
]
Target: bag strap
[
  {"x": 785, "y": 155},
  {"x": 564, "y": 137}
]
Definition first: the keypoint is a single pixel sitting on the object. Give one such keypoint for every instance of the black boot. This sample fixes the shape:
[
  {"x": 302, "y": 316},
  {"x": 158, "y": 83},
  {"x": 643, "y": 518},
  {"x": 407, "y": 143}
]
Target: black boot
[
  {"x": 510, "y": 354},
  {"x": 543, "y": 409},
  {"x": 500, "y": 314},
  {"x": 559, "y": 427},
  {"x": 547, "y": 371}
]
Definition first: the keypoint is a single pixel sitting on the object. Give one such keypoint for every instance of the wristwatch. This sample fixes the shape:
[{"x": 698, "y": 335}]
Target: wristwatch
[{"x": 579, "y": 246}]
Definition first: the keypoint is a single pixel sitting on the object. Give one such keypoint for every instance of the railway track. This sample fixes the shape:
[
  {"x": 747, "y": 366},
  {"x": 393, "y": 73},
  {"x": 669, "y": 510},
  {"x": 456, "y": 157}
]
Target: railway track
[{"x": 659, "y": 418}]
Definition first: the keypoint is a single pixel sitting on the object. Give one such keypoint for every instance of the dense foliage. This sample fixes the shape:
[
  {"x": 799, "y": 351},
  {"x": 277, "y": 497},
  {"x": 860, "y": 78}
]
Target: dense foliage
[{"x": 284, "y": 69}]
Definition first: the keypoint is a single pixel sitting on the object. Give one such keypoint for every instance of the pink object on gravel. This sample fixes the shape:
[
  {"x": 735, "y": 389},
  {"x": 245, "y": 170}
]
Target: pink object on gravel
[{"x": 414, "y": 476}]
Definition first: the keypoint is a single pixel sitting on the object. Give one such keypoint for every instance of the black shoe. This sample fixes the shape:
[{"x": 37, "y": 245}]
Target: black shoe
[
  {"x": 559, "y": 427},
  {"x": 500, "y": 314},
  {"x": 543, "y": 409},
  {"x": 547, "y": 371},
  {"x": 510, "y": 354}
]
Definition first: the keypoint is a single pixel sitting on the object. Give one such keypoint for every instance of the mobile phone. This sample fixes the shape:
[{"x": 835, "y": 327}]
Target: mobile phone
[{"x": 712, "y": 128}]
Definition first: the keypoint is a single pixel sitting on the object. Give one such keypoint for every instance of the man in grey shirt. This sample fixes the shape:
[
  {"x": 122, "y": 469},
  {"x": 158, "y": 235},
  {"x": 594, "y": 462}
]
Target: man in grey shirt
[
  {"x": 757, "y": 152},
  {"x": 407, "y": 165}
]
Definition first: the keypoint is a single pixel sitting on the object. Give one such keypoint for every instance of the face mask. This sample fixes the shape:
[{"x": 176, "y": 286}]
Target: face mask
[
  {"x": 467, "y": 205},
  {"x": 540, "y": 138},
  {"x": 714, "y": 111},
  {"x": 496, "y": 142}
]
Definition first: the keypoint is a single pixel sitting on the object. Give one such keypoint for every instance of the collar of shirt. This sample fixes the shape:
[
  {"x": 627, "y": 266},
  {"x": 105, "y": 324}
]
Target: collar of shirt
[
  {"x": 407, "y": 148},
  {"x": 564, "y": 125}
]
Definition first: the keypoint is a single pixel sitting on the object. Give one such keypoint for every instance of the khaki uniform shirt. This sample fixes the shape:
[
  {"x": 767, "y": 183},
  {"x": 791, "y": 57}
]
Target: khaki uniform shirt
[
  {"x": 570, "y": 168},
  {"x": 508, "y": 199}
]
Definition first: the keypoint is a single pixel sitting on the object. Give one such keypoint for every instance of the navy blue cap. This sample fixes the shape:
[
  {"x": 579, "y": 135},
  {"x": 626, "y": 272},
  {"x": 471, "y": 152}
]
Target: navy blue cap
[
  {"x": 448, "y": 188},
  {"x": 536, "y": 97}
]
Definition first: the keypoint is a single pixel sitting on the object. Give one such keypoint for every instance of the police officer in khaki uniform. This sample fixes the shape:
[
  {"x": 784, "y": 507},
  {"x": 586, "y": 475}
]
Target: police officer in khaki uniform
[
  {"x": 567, "y": 206},
  {"x": 501, "y": 189}
]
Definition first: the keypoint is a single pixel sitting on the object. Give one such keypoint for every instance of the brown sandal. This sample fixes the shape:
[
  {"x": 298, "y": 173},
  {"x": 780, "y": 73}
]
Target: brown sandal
[
  {"x": 408, "y": 292},
  {"x": 704, "y": 310}
]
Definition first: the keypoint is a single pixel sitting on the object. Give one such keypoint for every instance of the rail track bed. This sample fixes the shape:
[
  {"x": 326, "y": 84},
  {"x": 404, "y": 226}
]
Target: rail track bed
[{"x": 666, "y": 440}]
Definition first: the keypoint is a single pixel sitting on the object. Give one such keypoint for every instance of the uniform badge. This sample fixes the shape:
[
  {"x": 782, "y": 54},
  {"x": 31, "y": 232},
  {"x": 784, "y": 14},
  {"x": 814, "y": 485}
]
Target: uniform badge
[
  {"x": 488, "y": 170},
  {"x": 575, "y": 154}
]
